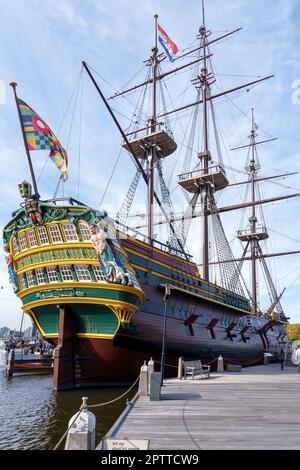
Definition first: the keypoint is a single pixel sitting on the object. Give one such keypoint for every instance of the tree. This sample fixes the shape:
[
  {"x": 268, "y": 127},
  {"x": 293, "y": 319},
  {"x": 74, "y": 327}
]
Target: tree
[{"x": 293, "y": 331}]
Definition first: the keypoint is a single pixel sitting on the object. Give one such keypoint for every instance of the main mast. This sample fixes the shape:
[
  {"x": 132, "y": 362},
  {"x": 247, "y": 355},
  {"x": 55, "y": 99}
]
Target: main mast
[
  {"x": 151, "y": 154},
  {"x": 205, "y": 155}
]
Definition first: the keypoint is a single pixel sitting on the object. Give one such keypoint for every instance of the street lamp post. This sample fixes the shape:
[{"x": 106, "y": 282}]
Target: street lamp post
[{"x": 162, "y": 360}]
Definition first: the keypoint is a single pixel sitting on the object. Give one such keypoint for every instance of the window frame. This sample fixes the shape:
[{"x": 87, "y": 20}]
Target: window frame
[
  {"x": 15, "y": 246},
  {"x": 55, "y": 226},
  {"x": 39, "y": 229},
  {"x": 39, "y": 271},
  {"x": 29, "y": 274},
  {"x": 86, "y": 227},
  {"x": 22, "y": 234},
  {"x": 61, "y": 270},
  {"x": 29, "y": 232},
  {"x": 49, "y": 273},
  {"x": 83, "y": 267},
  {"x": 65, "y": 227},
  {"x": 95, "y": 268}
]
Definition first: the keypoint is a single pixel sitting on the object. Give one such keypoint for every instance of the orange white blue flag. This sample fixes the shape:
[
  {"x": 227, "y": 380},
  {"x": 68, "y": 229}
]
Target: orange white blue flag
[
  {"x": 40, "y": 137},
  {"x": 167, "y": 43}
]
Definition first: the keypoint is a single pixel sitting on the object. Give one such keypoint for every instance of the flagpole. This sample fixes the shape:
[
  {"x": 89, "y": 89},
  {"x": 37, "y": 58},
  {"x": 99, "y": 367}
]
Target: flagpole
[{"x": 36, "y": 193}]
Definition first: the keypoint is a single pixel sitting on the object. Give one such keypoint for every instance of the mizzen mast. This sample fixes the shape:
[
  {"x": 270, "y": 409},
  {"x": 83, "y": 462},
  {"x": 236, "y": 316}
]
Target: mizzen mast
[{"x": 256, "y": 233}]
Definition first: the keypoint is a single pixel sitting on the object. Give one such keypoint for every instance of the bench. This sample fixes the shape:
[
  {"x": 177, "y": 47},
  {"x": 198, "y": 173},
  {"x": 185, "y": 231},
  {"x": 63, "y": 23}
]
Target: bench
[{"x": 195, "y": 367}]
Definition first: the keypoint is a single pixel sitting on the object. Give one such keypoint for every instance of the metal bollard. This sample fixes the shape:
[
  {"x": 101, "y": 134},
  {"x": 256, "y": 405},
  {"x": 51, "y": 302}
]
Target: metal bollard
[
  {"x": 143, "y": 385},
  {"x": 81, "y": 435},
  {"x": 150, "y": 370},
  {"x": 220, "y": 367},
  {"x": 180, "y": 367}
]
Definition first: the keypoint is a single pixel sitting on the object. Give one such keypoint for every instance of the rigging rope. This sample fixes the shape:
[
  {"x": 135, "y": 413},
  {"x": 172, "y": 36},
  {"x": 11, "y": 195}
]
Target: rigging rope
[
  {"x": 79, "y": 139},
  {"x": 111, "y": 175}
]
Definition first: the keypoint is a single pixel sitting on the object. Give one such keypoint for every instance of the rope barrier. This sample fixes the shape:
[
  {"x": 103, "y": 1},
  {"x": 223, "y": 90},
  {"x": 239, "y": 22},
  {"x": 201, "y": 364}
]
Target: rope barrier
[
  {"x": 243, "y": 363},
  {"x": 93, "y": 406},
  {"x": 166, "y": 365},
  {"x": 115, "y": 399},
  {"x": 211, "y": 362}
]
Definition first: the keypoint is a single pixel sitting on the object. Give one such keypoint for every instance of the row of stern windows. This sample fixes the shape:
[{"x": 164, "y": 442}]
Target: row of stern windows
[
  {"x": 54, "y": 233},
  {"x": 63, "y": 273}
]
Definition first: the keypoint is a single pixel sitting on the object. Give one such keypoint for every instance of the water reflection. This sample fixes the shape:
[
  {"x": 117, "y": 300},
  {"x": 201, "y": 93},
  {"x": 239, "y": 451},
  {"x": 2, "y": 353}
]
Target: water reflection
[{"x": 33, "y": 416}]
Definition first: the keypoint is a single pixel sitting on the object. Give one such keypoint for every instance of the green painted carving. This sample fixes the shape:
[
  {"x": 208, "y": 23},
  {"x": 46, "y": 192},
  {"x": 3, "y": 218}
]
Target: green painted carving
[{"x": 59, "y": 293}]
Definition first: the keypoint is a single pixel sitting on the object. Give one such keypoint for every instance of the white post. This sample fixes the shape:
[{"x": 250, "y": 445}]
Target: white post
[
  {"x": 81, "y": 435},
  {"x": 180, "y": 364},
  {"x": 150, "y": 370},
  {"x": 143, "y": 385},
  {"x": 220, "y": 367}
]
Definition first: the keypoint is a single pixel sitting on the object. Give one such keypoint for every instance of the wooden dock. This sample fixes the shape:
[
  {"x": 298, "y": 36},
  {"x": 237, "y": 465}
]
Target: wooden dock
[{"x": 257, "y": 408}]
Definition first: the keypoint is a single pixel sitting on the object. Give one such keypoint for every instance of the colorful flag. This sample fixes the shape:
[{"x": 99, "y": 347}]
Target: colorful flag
[
  {"x": 167, "y": 43},
  {"x": 40, "y": 137}
]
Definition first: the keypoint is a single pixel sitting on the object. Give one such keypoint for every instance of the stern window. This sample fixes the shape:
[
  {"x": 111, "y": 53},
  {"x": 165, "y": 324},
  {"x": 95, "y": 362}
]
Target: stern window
[
  {"x": 42, "y": 232},
  {"x": 22, "y": 281},
  {"x": 70, "y": 233},
  {"x": 85, "y": 233},
  {"x": 55, "y": 233},
  {"x": 66, "y": 273},
  {"x": 32, "y": 238},
  {"x": 82, "y": 272},
  {"x": 22, "y": 242},
  {"x": 40, "y": 276},
  {"x": 30, "y": 279},
  {"x": 52, "y": 274},
  {"x": 15, "y": 246},
  {"x": 98, "y": 273}
]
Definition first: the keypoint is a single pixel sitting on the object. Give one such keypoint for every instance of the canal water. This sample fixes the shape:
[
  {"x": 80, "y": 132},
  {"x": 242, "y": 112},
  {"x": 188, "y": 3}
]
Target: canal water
[{"x": 33, "y": 416}]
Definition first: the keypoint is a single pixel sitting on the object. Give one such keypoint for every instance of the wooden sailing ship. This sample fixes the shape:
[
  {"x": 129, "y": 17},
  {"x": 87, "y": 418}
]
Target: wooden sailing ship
[{"x": 101, "y": 291}]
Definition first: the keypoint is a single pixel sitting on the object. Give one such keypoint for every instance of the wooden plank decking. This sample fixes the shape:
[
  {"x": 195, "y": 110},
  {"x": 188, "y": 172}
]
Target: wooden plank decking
[{"x": 257, "y": 408}]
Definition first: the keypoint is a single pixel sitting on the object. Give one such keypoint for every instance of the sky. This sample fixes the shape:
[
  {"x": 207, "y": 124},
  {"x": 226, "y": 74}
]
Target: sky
[{"x": 42, "y": 46}]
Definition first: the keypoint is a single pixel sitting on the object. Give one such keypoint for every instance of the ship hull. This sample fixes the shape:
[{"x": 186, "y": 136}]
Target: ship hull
[
  {"x": 102, "y": 362},
  {"x": 91, "y": 361},
  {"x": 195, "y": 328}
]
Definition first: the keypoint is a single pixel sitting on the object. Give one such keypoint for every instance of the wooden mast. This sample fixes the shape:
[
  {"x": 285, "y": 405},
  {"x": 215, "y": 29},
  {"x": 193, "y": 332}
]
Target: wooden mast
[
  {"x": 204, "y": 156},
  {"x": 151, "y": 154},
  {"x": 35, "y": 188},
  {"x": 253, "y": 219}
]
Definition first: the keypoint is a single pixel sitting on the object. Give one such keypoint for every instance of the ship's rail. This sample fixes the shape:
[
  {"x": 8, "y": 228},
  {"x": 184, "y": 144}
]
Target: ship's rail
[
  {"x": 197, "y": 173},
  {"x": 141, "y": 236}
]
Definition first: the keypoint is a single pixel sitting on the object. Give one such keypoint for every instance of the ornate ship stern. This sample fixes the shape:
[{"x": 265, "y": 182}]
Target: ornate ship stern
[{"x": 70, "y": 271}]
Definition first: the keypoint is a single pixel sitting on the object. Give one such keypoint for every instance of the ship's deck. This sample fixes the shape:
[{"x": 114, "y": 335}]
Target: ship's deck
[{"x": 253, "y": 409}]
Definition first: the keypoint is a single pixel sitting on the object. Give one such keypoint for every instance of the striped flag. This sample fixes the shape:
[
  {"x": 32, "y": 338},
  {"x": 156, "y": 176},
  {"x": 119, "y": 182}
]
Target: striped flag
[{"x": 167, "y": 43}]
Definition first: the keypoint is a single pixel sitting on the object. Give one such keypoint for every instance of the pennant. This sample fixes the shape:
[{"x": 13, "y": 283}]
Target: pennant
[
  {"x": 167, "y": 43},
  {"x": 40, "y": 137}
]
